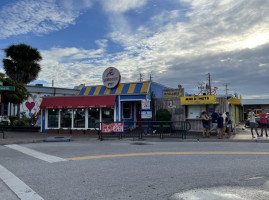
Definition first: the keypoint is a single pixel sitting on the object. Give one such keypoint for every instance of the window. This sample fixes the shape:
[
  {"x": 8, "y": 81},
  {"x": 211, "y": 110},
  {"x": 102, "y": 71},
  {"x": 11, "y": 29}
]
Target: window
[
  {"x": 66, "y": 118},
  {"x": 93, "y": 117},
  {"x": 53, "y": 118},
  {"x": 79, "y": 118},
  {"x": 108, "y": 115},
  {"x": 127, "y": 110}
]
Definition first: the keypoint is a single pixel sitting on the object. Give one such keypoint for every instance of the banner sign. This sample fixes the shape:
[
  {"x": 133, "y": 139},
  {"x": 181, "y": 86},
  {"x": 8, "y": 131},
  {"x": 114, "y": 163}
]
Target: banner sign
[{"x": 112, "y": 127}]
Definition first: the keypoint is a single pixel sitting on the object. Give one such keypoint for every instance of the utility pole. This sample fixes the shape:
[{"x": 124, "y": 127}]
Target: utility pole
[
  {"x": 226, "y": 88},
  {"x": 209, "y": 83},
  {"x": 150, "y": 77}
]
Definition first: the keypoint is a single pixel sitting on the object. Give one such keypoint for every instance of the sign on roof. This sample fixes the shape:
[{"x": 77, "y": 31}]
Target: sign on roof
[{"x": 111, "y": 77}]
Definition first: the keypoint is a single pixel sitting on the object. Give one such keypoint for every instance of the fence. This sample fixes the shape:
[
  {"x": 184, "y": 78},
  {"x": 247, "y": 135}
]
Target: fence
[{"x": 142, "y": 129}]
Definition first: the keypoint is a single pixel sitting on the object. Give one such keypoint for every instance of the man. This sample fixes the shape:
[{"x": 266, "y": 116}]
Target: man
[
  {"x": 214, "y": 118},
  {"x": 263, "y": 122},
  {"x": 252, "y": 122}
]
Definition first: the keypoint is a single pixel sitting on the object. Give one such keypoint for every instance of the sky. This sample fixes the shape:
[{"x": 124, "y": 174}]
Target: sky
[{"x": 173, "y": 41}]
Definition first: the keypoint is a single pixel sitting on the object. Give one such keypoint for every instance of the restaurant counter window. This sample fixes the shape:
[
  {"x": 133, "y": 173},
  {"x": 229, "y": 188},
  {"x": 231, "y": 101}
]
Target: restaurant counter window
[
  {"x": 93, "y": 117},
  {"x": 127, "y": 110},
  {"x": 108, "y": 115},
  {"x": 66, "y": 117},
  {"x": 53, "y": 118},
  {"x": 79, "y": 118}
]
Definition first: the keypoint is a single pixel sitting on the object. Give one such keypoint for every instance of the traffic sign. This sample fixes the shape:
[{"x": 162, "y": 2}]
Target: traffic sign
[{"x": 7, "y": 88}]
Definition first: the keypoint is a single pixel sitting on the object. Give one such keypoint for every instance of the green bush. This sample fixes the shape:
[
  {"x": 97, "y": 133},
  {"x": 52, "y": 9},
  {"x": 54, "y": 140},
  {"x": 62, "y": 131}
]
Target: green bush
[
  {"x": 12, "y": 119},
  {"x": 163, "y": 115},
  {"x": 24, "y": 121}
]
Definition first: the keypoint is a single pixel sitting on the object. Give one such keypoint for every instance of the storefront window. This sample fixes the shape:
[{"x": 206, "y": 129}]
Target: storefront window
[
  {"x": 66, "y": 118},
  {"x": 127, "y": 110},
  {"x": 108, "y": 115},
  {"x": 53, "y": 118},
  {"x": 79, "y": 118},
  {"x": 194, "y": 112},
  {"x": 93, "y": 117}
]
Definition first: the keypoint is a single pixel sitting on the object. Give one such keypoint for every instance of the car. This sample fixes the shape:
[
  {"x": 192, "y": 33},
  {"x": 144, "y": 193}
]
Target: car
[{"x": 4, "y": 120}]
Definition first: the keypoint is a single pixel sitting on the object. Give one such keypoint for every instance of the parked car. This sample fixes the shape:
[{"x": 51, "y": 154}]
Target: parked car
[{"x": 4, "y": 120}]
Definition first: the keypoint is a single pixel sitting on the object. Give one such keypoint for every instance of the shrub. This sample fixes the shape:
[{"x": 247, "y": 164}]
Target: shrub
[
  {"x": 24, "y": 121},
  {"x": 163, "y": 115}
]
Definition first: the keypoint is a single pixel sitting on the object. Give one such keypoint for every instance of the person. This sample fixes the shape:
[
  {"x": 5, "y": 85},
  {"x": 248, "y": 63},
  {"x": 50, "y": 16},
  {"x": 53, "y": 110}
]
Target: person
[
  {"x": 220, "y": 126},
  {"x": 228, "y": 124},
  {"x": 214, "y": 118},
  {"x": 263, "y": 122},
  {"x": 205, "y": 121},
  {"x": 252, "y": 123}
]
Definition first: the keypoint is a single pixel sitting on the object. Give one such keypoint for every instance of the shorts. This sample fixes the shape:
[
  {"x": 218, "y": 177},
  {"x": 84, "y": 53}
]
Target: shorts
[
  {"x": 229, "y": 125},
  {"x": 214, "y": 126},
  {"x": 252, "y": 125},
  {"x": 220, "y": 125},
  {"x": 206, "y": 125},
  {"x": 264, "y": 125}
]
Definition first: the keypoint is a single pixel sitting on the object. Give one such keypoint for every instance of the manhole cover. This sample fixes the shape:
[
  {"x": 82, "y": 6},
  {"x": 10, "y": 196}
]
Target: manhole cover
[{"x": 222, "y": 193}]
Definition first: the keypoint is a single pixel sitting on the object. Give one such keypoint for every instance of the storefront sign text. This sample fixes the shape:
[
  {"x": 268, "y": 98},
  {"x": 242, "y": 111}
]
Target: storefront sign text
[
  {"x": 112, "y": 127},
  {"x": 111, "y": 77}
]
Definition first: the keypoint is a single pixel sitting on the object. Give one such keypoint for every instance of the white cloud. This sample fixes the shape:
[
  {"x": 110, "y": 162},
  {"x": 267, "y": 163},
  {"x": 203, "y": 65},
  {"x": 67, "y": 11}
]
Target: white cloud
[
  {"x": 121, "y": 6},
  {"x": 39, "y": 17}
]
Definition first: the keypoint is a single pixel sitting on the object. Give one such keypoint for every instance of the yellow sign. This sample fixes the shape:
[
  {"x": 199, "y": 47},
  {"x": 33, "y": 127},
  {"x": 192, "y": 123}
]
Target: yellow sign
[
  {"x": 176, "y": 93},
  {"x": 198, "y": 100},
  {"x": 234, "y": 101}
]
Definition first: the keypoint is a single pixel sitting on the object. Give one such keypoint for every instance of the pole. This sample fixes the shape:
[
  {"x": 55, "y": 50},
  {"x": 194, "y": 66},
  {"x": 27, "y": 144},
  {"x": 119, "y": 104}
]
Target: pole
[{"x": 209, "y": 83}]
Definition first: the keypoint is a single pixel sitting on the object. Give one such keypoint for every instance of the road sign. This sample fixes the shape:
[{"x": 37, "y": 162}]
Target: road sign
[
  {"x": 1, "y": 83},
  {"x": 7, "y": 88}
]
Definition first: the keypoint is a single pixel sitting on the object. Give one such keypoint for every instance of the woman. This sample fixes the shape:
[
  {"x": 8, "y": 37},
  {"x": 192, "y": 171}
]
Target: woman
[
  {"x": 228, "y": 124},
  {"x": 205, "y": 121}
]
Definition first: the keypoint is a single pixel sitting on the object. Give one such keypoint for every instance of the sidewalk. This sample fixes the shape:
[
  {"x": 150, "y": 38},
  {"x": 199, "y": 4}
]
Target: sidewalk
[{"x": 241, "y": 134}]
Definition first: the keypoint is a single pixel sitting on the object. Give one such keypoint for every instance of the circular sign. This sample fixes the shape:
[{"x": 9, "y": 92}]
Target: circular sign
[{"x": 111, "y": 77}]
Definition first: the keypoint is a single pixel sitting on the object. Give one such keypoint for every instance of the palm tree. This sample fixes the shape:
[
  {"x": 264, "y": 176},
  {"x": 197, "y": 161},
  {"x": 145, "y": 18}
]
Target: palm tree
[{"x": 21, "y": 64}]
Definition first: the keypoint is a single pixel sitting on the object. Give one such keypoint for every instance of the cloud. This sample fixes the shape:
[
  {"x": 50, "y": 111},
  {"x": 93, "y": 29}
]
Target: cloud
[
  {"x": 121, "y": 6},
  {"x": 39, "y": 17}
]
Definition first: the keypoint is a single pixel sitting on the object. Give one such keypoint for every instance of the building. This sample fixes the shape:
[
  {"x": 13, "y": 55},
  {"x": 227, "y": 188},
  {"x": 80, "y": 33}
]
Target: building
[{"x": 125, "y": 102}]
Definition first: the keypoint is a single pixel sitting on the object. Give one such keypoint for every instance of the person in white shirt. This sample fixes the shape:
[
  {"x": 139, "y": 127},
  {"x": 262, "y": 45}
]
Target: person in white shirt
[{"x": 252, "y": 122}]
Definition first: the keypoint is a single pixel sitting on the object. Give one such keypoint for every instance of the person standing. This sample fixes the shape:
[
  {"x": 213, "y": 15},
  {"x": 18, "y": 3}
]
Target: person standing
[
  {"x": 263, "y": 122},
  {"x": 220, "y": 126},
  {"x": 205, "y": 121},
  {"x": 228, "y": 124},
  {"x": 252, "y": 123},
  {"x": 214, "y": 118}
]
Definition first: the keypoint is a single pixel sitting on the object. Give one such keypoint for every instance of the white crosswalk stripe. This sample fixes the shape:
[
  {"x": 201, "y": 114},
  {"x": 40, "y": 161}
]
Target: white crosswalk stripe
[{"x": 36, "y": 154}]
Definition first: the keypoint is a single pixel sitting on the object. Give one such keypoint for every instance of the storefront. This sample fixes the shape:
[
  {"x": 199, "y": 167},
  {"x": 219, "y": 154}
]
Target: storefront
[{"x": 125, "y": 102}]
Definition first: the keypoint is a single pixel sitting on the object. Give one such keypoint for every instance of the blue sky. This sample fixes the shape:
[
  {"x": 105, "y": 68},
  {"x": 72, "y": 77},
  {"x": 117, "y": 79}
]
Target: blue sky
[{"x": 176, "y": 41}]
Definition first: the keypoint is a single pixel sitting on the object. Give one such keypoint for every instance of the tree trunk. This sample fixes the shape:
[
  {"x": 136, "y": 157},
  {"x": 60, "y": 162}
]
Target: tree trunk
[{"x": 18, "y": 110}]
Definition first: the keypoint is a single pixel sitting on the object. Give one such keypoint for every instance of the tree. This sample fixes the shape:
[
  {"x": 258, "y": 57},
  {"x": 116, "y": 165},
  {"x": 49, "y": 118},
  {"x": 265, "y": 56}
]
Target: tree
[
  {"x": 21, "y": 64},
  {"x": 16, "y": 97}
]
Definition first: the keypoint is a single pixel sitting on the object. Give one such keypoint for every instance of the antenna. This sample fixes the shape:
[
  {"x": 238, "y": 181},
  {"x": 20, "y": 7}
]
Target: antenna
[{"x": 141, "y": 77}]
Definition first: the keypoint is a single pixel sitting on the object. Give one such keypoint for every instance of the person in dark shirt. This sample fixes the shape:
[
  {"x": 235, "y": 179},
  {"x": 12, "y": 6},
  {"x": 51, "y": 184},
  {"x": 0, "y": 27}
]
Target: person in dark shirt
[
  {"x": 214, "y": 118},
  {"x": 205, "y": 121},
  {"x": 220, "y": 126}
]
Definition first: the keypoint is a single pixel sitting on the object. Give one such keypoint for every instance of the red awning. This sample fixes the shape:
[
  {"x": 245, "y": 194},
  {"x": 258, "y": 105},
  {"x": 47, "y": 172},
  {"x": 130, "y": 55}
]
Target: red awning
[{"x": 79, "y": 102}]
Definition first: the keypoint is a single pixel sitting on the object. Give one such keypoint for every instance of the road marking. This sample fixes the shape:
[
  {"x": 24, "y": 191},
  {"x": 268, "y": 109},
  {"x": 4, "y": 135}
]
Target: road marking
[
  {"x": 168, "y": 153},
  {"x": 36, "y": 154},
  {"x": 23, "y": 191}
]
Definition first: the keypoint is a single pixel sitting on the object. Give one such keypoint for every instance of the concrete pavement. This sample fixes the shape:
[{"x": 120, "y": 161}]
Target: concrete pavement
[{"x": 241, "y": 134}]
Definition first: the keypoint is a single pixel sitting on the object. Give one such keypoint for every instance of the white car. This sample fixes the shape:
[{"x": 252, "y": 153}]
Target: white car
[{"x": 4, "y": 120}]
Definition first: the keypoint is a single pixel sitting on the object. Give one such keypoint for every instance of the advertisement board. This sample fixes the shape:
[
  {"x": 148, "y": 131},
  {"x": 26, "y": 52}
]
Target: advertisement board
[{"x": 146, "y": 114}]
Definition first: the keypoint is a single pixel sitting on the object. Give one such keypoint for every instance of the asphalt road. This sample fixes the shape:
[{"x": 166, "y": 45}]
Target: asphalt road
[{"x": 114, "y": 170}]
